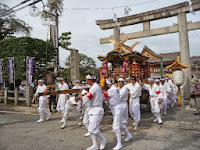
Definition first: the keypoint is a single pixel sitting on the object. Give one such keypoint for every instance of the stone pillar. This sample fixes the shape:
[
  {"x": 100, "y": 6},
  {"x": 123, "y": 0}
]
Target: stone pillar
[
  {"x": 185, "y": 52},
  {"x": 74, "y": 65},
  {"x": 29, "y": 95},
  {"x": 5, "y": 96},
  {"x": 116, "y": 35},
  {"x": 146, "y": 26},
  {"x": 16, "y": 96}
]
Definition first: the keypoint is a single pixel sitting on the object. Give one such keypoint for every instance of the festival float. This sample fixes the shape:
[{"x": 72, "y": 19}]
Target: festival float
[{"x": 123, "y": 62}]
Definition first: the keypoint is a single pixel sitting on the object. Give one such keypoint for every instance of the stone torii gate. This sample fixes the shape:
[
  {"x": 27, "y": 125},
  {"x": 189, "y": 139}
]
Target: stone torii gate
[{"x": 179, "y": 10}]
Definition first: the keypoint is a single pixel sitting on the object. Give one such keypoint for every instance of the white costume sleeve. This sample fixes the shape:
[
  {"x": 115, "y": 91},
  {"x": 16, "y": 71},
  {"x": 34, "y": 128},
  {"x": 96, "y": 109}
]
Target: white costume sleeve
[
  {"x": 85, "y": 99},
  {"x": 146, "y": 86},
  {"x": 123, "y": 93},
  {"x": 37, "y": 91},
  {"x": 110, "y": 92}
]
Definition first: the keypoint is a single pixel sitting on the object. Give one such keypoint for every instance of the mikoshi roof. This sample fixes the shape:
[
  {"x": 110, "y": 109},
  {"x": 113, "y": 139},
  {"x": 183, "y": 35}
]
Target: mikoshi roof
[
  {"x": 116, "y": 55},
  {"x": 122, "y": 51}
]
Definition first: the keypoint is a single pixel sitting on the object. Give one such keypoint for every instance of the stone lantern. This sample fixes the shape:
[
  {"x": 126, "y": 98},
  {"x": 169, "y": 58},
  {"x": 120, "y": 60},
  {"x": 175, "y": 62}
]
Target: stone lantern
[{"x": 178, "y": 75}]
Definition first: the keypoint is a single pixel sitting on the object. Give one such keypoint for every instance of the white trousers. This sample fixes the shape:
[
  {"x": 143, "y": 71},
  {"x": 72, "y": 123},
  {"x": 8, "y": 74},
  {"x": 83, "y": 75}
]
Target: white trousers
[
  {"x": 74, "y": 111},
  {"x": 117, "y": 111},
  {"x": 134, "y": 110},
  {"x": 42, "y": 104},
  {"x": 94, "y": 122},
  {"x": 86, "y": 119},
  {"x": 125, "y": 113},
  {"x": 61, "y": 105},
  {"x": 164, "y": 104},
  {"x": 117, "y": 123},
  {"x": 172, "y": 99},
  {"x": 155, "y": 108}
]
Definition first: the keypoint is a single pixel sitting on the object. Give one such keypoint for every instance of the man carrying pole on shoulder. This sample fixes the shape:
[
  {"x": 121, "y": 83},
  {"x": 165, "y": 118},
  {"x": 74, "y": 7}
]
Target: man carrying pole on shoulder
[
  {"x": 62, "y": 97},
  {"x": 134, "y": 101},
  {"x": 95, "y": 113},
  {"x": 42, "y": 101}
]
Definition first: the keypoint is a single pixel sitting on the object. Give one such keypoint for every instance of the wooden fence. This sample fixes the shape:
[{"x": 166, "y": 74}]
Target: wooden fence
[{"x": 15, "y": 95}]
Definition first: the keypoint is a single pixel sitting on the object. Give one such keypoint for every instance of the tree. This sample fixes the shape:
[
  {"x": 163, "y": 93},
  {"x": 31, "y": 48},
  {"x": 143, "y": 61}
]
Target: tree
[
  {"x": 20, "y": 48},
  {"x": 10, "y": 25},
  {"x": 55, "y": 5},
  {"x": 86, "y": 66},
  {"x": 64, "y": 40}
]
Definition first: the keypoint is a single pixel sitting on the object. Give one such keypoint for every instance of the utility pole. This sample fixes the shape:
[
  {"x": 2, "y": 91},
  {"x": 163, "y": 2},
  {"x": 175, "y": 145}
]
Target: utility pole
[
  {"x": 56, "y": 15},
  {"x": 57, "y": 49},
  {"x": 161, "y": 66}
]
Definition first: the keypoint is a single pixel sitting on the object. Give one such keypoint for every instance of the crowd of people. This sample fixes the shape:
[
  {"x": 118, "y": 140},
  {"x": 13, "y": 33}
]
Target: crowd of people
[{"x": 123, "y": 100}]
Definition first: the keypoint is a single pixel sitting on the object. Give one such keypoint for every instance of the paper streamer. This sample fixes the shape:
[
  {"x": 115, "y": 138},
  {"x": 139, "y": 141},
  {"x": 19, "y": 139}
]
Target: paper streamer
[
  {"x": 190, "y": 6},
  {"x": 115, "y": 19}
]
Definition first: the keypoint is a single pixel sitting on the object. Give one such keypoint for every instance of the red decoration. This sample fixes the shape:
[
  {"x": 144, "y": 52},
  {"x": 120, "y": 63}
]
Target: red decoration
[
  {"x": 158, "y": 92},
  {"x": 106, "y": 94},
  {"x": 89, "y": 95}
]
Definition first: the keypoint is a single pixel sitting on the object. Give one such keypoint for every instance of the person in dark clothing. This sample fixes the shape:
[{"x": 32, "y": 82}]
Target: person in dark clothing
[
  {"x": 70, "y": 84},
  {"x": 52, "y": 99}
]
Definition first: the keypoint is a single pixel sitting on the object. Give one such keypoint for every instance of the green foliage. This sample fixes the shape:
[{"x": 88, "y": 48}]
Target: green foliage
[
  {"x": 66, "y": 74},
  {"x": 10, "y": 25},
  {"x": 86, "y": 65},
  {"x": 64, "y": 40},
  {"x": 20, "y": 48},
  {"x": 55, "y": 5}
]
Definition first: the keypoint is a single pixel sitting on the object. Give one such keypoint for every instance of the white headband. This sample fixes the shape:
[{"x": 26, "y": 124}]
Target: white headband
[
  {"x": 108, "y": 82},
  {"x": 40, "y": 80},
  {"x": 121, "y": 79},
  {"x": 61, "y": 78},
  {"x": 77, "y": 81},
  {"x": 89, "y": 77},
  {"x": 150, "y": 79}
]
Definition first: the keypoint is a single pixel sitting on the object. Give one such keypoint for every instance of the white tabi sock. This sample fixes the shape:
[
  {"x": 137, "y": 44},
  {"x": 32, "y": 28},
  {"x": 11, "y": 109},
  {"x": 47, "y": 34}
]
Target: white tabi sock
[
  {"x": 119, "y": 142},
  {"x": 94, "y": 141},
  {"x": 128, "y": 135},
  {"x": 41, "y": 119},
  {"x": 103, "y": 140}
]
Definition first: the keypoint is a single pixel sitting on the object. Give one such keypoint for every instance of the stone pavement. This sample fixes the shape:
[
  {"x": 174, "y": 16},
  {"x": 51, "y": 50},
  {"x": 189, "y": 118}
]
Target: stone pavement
[{"x": 180, "y": 131}]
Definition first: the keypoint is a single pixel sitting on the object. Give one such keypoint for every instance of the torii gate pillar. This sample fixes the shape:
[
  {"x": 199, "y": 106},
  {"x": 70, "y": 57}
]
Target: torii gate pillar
[
  {"x": 185, "y": 52},
  {"x": 116, "y": 35}
]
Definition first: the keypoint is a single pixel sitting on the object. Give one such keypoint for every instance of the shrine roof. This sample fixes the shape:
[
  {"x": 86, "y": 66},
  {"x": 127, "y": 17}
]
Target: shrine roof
[{"x": 166, "y": 57}]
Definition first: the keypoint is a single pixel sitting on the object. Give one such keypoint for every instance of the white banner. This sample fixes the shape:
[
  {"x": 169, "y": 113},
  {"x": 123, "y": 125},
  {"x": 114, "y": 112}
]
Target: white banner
[{"x": 54, "y": 35}]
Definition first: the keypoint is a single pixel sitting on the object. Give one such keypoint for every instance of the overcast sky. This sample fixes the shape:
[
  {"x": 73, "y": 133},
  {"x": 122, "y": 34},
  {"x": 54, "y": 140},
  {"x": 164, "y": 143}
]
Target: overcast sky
[{"x": 86, "y": 34}]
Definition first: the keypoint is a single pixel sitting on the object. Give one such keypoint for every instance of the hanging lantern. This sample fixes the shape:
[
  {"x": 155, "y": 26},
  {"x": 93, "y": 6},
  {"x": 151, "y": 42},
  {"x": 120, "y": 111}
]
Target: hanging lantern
[
  {"x": 135, "y": 69},
  {"x": 178, "y": 77},
  {"x": 46, "y": 21},
  {"x": 34, "y": 11}
]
